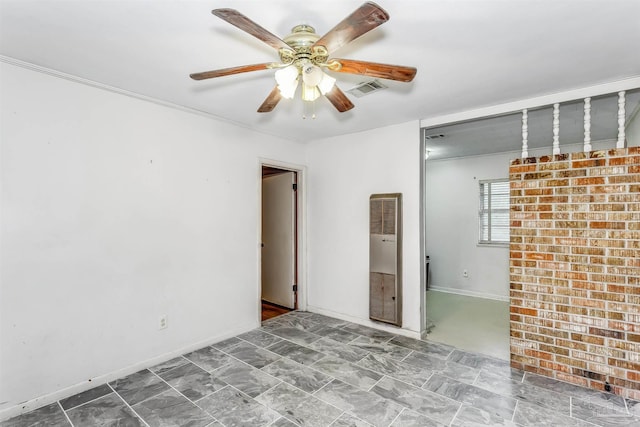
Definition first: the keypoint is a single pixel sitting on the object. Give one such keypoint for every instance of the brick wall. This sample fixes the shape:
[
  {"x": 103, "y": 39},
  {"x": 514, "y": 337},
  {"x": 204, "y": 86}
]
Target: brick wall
[{"x": 575, "y": 268}]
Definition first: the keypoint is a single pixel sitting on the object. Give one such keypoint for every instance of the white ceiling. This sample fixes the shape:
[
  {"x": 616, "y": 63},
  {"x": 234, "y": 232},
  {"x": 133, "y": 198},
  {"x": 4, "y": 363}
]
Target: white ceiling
[
  {"x": 469, "y": 54},
  {"x": 504, "y": 133}
]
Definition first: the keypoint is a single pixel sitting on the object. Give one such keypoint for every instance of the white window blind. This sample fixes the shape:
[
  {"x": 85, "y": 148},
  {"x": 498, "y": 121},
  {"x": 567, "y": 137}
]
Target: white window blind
[{"x": 494, "y": 212}]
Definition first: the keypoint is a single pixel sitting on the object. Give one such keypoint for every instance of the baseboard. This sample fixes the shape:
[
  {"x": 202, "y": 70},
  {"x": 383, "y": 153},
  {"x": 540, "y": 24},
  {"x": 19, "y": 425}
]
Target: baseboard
[
  {"x": 41, "y": 401},
  {"x": 365, "y": 322},
  {"x": 470, "y": 293}
]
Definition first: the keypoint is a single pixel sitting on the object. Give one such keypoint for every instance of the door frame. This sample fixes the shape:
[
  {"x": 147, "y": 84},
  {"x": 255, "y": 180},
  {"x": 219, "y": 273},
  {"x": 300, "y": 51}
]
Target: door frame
[
  {"x": 423, "y": 238},
  {"x": 301, "y": 230}
]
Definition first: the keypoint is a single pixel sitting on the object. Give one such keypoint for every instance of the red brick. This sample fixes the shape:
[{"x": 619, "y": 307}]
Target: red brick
[{"x": 575, "y": 268}]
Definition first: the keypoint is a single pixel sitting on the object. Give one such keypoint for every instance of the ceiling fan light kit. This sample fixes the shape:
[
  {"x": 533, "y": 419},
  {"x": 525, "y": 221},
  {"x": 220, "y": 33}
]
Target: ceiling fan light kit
[{"x": 304, "y": 55}]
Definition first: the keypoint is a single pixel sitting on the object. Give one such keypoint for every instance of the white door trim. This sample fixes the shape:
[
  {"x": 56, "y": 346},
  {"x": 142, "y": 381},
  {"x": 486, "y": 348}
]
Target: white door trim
[
  {"x": 279, "y": 238},
  {"x": 301, "y": 171}
]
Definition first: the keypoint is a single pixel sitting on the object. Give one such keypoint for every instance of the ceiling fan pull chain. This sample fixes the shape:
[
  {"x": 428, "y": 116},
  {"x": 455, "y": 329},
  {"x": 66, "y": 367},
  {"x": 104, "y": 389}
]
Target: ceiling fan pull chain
[{"x": 309, "y": 109}]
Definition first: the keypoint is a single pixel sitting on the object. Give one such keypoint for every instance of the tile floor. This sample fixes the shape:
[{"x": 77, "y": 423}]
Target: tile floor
[{"x": 304, "y": 369}]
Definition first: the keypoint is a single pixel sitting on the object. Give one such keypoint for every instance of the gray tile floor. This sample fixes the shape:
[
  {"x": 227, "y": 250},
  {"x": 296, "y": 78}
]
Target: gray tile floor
[{"x": 304, "y": 369}]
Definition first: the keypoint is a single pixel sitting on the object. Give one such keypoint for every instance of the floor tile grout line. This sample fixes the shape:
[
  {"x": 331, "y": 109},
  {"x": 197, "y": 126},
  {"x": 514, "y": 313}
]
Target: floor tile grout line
[
  {"x": 388, "y": 341},
  {"x": 213, "y": 370},
  {"x": 130, "y": 406},
  {"x": 170, "y": 386},
  {"x": 475, "y": 380},
  {"x": 250, "y": 367},
  {"x": 88, "y": 401},
  {"x": 308, "y": 396},
  {"x": 571, "y": 406},
  {"x": 358, "y": 418},
  {"x": 318, "y": 390},
  {"x": 515, "y": 409},
  {"x": 431, "y": 371},
  {"x": 339, "y": 416},
  {"x": 301, "y": 365},
  {"x": 457, "y": 413},
  {"x": 626, "y": 406},
  {"x": 175, "y": 367},
  {"x": 375, "y": 384},
  {"x": 426, "y": 381},
  {"x": 394, "y": 379},
  {"x": 65, "y": 413},
  {"x": 408, "y": 354},
  {"x": 570, "y": 394},
  {"x": 183, "y": 395},
  {"x": 404, "y": 408},
  {"x": 227, "y": 386},
  {"x": 419, "y": 388},
  {"x": 256, "y": 346},
  {"x": 273, "y": 387},
  {"x": 573, "y": 397},
  {"x": 329, "y": 403},
  {"x": 380, "y": 373}
]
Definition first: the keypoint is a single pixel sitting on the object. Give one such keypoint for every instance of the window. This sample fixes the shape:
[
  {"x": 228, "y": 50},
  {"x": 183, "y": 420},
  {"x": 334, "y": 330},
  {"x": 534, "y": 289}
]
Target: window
[{"x": 494, "y": 212}]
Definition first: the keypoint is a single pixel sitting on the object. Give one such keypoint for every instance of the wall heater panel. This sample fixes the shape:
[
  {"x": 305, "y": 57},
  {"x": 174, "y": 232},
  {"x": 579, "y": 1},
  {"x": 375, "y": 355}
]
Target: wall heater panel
[{"x": 385, "y": 258}]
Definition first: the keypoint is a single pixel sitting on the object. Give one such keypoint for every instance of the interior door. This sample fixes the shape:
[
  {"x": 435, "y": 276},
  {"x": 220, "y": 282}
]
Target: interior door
[{"x": 278, "y": 239}]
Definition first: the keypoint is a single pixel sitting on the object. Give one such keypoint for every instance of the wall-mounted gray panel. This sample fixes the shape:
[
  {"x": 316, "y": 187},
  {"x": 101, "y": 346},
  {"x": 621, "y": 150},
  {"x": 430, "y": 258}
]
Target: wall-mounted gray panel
[{"x": 385, "y": 258}]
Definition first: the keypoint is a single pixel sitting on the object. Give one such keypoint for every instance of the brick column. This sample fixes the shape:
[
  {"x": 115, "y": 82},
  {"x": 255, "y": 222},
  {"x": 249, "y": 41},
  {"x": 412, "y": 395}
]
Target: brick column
[{"x": 575, "y": 268}]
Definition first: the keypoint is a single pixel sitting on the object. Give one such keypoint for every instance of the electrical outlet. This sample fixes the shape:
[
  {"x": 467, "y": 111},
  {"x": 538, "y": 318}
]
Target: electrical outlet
[
  {"x": 162, "y": 322},
  {"x": 465, "y": 273}
]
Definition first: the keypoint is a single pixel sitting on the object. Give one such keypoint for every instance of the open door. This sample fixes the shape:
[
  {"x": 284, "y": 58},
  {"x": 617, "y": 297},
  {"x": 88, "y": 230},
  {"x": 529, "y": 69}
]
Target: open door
[{"x": 279, "y": 239}]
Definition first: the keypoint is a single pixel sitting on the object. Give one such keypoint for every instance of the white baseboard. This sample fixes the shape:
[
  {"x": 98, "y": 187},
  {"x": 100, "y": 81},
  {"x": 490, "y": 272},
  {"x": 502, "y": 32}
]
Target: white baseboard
[
  {"x": 41, "y": 401},
  {"x": 365, "y": 322},
  {"x": 470, "y": 293}
]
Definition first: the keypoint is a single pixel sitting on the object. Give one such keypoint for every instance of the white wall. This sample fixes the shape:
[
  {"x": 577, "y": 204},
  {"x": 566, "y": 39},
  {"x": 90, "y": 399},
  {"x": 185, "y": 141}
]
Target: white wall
[
  {"x": 343, "y": 172},
  {"x": 451, "y": 217},
  {"x": 116, "y": 211},
  {"x": 452, "y": 227}
]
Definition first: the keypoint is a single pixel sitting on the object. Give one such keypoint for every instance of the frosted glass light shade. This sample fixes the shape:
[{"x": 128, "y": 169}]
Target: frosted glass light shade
[
  {"x": 326, "y": 84},
  {"x": 288, "y": 90},
  {"x": 311, "y": 74},
  {"x": 287, "y": 79},
  {"x": 287, "y": 75}
]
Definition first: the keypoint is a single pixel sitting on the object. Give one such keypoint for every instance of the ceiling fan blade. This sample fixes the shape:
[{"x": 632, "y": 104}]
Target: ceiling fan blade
[
  {"x": 272, "y": 100},
  {"x": 339, "y": 99},
  {"x": 229, "y": 71},
  {"x": 362, "y": 20},
  {"x": 236, "y": 18},
  {"x": 373, "y": 69}
]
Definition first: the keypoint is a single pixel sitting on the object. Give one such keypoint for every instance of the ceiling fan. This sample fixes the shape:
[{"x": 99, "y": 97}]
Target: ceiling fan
[{"x": 304, "y": 55}]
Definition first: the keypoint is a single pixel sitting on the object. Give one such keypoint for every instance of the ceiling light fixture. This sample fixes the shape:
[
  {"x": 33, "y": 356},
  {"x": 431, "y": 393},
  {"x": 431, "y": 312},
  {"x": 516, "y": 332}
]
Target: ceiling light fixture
[
  {"x": 304, "y": 55},
  {"x": 314, "y": 80},
  {"x": 287, "y": 80}
]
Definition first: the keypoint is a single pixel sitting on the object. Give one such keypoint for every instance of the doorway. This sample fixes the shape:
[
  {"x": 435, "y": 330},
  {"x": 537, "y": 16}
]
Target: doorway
[
  {"x": 279, "y": 241},
  {"x": 465, "y": 297}
]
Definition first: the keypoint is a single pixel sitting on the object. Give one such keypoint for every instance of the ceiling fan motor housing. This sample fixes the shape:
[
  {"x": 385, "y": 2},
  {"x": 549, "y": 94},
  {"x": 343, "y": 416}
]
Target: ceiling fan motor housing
[{"x": 302, "y": 40}]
